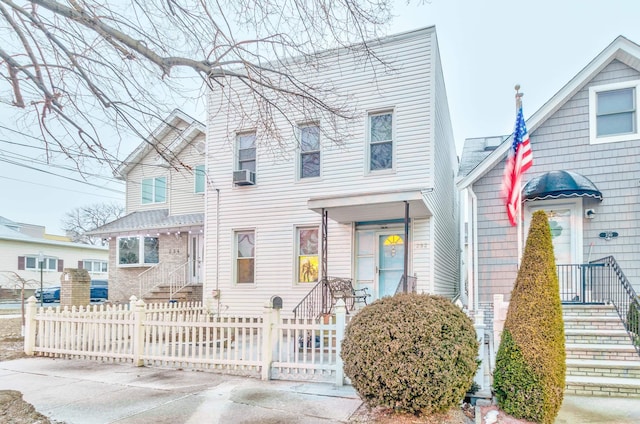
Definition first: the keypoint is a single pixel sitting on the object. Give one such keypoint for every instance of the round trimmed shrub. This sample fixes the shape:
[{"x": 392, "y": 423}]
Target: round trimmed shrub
[{"x": 413, "y": 353}]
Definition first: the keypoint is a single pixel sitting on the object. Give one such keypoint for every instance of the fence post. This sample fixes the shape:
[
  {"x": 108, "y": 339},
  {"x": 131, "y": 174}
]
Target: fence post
[
  {"x": 480, "y": 327},
  {"x": 267, "y": 352},
  {"x": 30, "y": 326},
  {"x": 341, "y": 320},
  {"x": 138, "y": 312}
]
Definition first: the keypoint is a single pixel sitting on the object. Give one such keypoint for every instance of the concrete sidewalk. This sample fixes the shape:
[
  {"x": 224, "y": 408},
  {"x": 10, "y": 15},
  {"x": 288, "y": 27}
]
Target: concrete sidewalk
[{"x": 84, "y": 392}]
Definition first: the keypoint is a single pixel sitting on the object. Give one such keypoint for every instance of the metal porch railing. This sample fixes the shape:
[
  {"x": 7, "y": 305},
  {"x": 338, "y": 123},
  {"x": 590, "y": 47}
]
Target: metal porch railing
[
  {"x": 598, "y": 282},
  {"x": 315, "y": 303},
  {"x": 412, "y": 283}
]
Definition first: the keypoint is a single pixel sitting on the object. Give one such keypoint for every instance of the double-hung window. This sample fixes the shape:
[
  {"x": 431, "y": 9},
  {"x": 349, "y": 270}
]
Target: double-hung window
[
  {"x": 613, "y": 112},
  {"x": 307, "y": 255},
  {"x": 138, "y": 250},
  {"x": 94, "y": 266},
  {"x": 309, "y": 151},
  {"x": 246, "y": 151},
  {"x": 33, "y": 263},
  {"x": 154, "y": 190},
  {"x": 200, "y": 179},
  {"x": 245, "y": 244},
  {"x": 380, "y": 134}
]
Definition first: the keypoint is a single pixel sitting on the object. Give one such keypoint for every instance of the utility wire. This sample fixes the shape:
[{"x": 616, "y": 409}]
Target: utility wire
[{"x": 59, "y": 188}]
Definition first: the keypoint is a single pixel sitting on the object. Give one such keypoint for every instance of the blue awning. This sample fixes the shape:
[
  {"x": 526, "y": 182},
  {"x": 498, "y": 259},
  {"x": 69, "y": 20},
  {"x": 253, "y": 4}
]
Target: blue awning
[{"x": 560, "y": 184}]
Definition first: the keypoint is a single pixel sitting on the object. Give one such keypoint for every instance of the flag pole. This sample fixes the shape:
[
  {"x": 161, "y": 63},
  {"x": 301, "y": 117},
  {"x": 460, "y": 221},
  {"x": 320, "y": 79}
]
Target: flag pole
[{"x": 519, "y": 201}]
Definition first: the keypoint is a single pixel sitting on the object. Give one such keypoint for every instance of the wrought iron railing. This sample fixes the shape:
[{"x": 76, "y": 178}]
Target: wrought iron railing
[
  {"x": 412, "y": 283},
  {"x": 623, "y": 297},
  {"x": 602, "y": 282},
  {"x": 315, "y": 303}
]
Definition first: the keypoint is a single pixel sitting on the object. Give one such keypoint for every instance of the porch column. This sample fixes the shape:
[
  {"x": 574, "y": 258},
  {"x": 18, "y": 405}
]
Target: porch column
[
  {"x": 406, "y": 246},
  {"x": 324, "y": 230}
]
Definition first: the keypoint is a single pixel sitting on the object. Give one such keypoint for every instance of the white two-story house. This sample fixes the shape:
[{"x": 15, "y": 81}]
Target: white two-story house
[
  {"x": 277, "y": 223},
  {"x": 156, "y": 249}
]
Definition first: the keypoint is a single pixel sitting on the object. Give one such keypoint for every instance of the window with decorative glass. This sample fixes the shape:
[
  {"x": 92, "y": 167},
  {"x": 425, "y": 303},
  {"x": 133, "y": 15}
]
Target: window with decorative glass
[
  {"x": 309, "y": 151},
  {"x": 307, "y": 255},
  {"x": 154, "y": 190},
  {"x": 245, "y": 257},
  {"x": 380, "y": 140},
  {"x": 138, "y": 250}
]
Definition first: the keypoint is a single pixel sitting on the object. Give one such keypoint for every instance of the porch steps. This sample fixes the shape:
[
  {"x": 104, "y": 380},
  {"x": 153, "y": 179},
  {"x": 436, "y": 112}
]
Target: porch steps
[
  {"x": 601, "y": 360},
  {"x": 161, "y": 294}
]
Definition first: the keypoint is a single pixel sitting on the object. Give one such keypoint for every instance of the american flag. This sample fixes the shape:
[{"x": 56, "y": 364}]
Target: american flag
[{"x": 520, "y": 159}]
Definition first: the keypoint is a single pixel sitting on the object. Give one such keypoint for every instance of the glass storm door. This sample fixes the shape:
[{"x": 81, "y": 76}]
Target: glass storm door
[
  {"x": 390, "y": 263},
  {"x": 196, "y": 254}
]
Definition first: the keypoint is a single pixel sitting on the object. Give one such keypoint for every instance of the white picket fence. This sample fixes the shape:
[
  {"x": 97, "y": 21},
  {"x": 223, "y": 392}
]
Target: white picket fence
[{"x": 186, "y": 335}]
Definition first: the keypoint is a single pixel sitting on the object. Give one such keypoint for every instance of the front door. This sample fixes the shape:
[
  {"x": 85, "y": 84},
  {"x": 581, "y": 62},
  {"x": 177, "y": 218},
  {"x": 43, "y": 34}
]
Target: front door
[
  {"x": 379, "y": 261},
  {"x": 390, "y": 263},
  {"x": 196, "y": 254},
  {"x": 565, "y": 222}
]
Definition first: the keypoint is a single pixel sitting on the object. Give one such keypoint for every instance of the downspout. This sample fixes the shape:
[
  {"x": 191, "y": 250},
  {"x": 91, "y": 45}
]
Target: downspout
[
  {"x": 406, "y": 246},
  {"x": 472, "y": 256},
  {"x": 218, "y": 248}
]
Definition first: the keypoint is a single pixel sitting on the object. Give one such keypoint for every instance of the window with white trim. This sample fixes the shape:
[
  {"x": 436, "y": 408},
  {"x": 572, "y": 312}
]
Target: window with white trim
[
  {"x": 95, "y": 266},
  {"x": 613, "y": 112},
  {"x": 138, "y": 250},
  {"x": 200, "y": 181},
  {"x": 380, "y": 138},
  {"x": 245, "y": 247},
  {"x": 154, "y": 190},
  {"x": 307, "y": 260},
  {"x": 246, "y": 144},
  {"x": 309, "y": 151},
  {"x": 32, "y": 263}
]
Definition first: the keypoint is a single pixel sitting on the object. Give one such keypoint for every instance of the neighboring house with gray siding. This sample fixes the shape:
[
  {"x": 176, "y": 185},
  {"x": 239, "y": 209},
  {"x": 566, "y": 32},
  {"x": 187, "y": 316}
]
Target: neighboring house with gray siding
[
  {"x": 265, "y": 216},
  {"x": 160, "y": 240},
  {"x": 589, "y": 129}
]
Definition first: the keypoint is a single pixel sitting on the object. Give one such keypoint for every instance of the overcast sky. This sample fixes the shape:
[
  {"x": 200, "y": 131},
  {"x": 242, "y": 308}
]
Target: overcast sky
[{"x": 486, "y": 48}]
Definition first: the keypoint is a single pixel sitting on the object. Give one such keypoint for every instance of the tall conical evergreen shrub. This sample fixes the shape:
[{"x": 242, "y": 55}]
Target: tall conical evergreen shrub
[{"x": 529, "y": 378}]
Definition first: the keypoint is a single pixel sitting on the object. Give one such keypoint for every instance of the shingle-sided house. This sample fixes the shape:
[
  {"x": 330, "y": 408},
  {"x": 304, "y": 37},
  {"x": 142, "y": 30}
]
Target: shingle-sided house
[
  {"x": 25, "y": 248},
  {"x": 586, "y": 176},
  {"x": 271, "y": 222},
  {"x": 156, "y": 249}
]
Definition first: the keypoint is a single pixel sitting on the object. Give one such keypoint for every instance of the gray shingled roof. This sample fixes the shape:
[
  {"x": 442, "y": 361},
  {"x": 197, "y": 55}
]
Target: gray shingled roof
[
  {"x": 158, "y": 219},
  {"x": 475, "y": 150}
]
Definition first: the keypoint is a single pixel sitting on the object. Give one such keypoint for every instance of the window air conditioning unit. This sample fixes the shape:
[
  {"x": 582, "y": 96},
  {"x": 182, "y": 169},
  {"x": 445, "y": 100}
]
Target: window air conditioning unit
[{"x": 244, "y": 177}]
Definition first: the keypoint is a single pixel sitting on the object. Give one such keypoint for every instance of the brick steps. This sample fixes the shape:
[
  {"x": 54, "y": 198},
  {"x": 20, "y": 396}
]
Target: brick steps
[
  {"x": 601, "y": 361},
  {"x": 161, "y": 294}
]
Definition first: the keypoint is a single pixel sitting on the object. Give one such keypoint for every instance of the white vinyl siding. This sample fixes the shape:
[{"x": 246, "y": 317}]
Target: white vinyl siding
[
  {"x": 278, "y": 205},
  {"x": 613, "y": 115}
]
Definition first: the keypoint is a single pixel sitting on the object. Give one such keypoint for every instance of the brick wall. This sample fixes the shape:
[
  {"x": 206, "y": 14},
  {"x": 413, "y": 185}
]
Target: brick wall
[{"x": 75, "y": 287}]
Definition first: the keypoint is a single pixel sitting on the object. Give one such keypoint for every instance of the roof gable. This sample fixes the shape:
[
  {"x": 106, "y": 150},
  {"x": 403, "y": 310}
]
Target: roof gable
[
  {"x": 156, "y": 139},
  {"x": 621, "y": 49}
]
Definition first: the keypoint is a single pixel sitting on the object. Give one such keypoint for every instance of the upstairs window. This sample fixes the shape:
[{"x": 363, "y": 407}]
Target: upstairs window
[
  {"x": 309, "y": 151},
  {"x": 380, "y": 141},
  {"x": 154, "y": 190},
  {"x": 245, "y": 242},
  {"x": 138, "y": 251},
  {"x": 200, "y": 181},
  {"x": 246, "y": 151},
  {"x": 612, "y": 112}
]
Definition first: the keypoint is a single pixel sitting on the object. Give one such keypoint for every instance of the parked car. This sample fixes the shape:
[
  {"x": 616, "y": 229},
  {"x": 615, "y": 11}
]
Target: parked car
[{"x": 99, "y": 291}]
